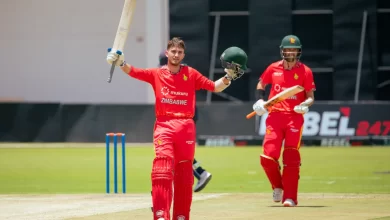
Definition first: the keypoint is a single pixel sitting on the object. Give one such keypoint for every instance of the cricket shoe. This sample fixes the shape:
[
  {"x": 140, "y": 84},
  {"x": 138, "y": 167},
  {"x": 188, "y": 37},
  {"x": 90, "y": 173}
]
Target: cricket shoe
[
  {"x": 289, "y": 203},
  {"x": 205, "y": 177},
  {"x": 278, "y": 194}
]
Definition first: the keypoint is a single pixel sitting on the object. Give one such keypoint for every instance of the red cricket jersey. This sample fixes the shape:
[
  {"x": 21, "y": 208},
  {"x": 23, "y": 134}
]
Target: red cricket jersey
[
  {"x": 175, "y": 93},
  {"x": 281, "y": 79}
]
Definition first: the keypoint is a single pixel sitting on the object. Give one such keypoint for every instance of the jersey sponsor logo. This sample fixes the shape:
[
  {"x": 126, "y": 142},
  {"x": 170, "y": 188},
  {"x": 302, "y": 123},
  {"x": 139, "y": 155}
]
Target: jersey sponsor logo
[
  {"x": 164, "y": 91},
  {"x": 179, "y": 93},
  {"x": 173, "y": 101},
  {"x": 277, "y": 87}
]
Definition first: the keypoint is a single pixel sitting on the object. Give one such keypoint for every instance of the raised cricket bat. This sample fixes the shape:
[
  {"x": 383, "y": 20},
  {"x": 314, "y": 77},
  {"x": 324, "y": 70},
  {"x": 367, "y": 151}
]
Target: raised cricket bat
[
  {"x": 279, "y": 97},
  {"x": 123, "y": 30}
]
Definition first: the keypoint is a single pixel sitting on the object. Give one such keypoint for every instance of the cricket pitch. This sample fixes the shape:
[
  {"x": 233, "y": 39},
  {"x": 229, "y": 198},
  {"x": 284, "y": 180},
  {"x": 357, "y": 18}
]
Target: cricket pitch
[{"x": 249, "y": 206}]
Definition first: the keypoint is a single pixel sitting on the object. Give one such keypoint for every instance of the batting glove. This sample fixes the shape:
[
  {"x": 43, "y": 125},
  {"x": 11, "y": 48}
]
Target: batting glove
[
  {"x": 115, "y": 56},
  {"x": 258, "y": 107},
  {"x": 301, "y": 109}
]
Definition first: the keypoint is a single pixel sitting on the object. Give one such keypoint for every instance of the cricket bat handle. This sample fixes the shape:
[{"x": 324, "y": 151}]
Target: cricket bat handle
[
  {"x": 113, "y": 67},
  {"x": 111, "y": 72},
  {"x": 250, "y": 115}
]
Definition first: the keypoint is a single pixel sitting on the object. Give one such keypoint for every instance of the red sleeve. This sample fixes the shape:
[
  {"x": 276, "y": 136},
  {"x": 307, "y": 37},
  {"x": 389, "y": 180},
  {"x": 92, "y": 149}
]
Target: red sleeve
[
  {"x": 266, "y": 76},
  {"x": 202, "y": 82},
  {"x": 309, "y": 84},
  {"x": 145, "y": 75}
]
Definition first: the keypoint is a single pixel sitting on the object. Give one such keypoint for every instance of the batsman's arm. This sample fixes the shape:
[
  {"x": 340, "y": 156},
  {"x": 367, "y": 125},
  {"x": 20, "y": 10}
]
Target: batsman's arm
[
  {"x": 202, "y": 82},
  {"x": 309, "y": 86},
  {"x": 126, "y": 68},
  {"x": 145, "y": 75},
  {"x": 310, "y": 98},
  {"x": 264, "y": 80},
  {"x": 260, "y": 90},
  {"x": 221, "y": 84}
]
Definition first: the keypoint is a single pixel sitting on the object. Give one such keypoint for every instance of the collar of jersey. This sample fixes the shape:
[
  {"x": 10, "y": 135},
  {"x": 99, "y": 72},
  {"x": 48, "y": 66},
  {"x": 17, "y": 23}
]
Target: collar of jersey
[{"x": 297, "y": 64}]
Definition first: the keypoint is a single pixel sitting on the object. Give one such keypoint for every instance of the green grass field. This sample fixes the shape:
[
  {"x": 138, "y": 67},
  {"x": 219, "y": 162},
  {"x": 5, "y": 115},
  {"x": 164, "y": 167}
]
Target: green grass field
[{"x": 48, "y": 169}]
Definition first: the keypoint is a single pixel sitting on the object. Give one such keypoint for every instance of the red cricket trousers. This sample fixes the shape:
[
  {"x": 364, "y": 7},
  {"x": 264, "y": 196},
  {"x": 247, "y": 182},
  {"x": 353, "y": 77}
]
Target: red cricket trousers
[
  {"x": 174, "y": 138},
  {"x": 174, "y": 145},
  {"x": 283, "y": 127}
]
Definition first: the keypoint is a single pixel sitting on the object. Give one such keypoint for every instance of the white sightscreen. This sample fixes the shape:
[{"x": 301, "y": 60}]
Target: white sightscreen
[{"x": 55, "y": 50}]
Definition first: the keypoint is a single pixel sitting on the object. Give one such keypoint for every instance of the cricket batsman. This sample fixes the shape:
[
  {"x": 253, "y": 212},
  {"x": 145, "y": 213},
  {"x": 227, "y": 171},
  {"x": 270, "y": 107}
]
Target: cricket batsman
[
  {"x": 174, "y": 87},
  {"x": 199, "y": 172},
  {"x": 285, "y": 119}
]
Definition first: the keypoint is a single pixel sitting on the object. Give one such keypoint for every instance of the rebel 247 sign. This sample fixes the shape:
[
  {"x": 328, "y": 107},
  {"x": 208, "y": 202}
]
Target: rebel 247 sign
[{"x": 344, "y": 120}]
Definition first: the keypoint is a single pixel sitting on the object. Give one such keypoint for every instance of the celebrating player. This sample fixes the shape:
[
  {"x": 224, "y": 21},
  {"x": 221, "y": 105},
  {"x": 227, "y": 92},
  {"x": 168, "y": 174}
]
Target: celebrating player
[
  {"x": 285, "y": 119},
  {"x": 174, "y": 87},
  {"x": 200, "y": 174}
]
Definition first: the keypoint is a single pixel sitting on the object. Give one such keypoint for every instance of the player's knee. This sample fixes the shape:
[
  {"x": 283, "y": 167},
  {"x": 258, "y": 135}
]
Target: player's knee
[
  {"x": 183, "y": 172},
  {"x": 272, "y": 153},
  {"x": 162, "y": 168},
  {"x": 268, "y": 162},
  {"x": 291, "y": 157},
  {"x": 272, "y": 148}
]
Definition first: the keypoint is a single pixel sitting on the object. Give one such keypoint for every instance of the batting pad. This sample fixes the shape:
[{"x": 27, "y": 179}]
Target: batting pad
[
  {"x": 183, "y": 183},
  {"x": 290, "y": 176},
  {"x": 272, "y": 170},
  {"x": 162, "y": 178}
]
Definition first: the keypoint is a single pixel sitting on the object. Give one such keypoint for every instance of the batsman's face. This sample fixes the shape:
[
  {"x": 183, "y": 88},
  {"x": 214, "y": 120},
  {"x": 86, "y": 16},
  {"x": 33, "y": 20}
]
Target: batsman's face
[
  {"x": 290, "y": 54},
  {"x": 175, "y": 55}
]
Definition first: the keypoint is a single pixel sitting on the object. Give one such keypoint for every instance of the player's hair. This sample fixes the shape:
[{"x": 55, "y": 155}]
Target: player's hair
[{"x": 176, "y": 42}]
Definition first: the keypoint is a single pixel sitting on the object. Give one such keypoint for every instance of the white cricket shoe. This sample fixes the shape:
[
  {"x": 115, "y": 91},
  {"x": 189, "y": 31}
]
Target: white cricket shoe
[
  {"x": 278, "y": 194},
  {"x": 205, "y": 177},
  {"x": 289, "y": 203}
]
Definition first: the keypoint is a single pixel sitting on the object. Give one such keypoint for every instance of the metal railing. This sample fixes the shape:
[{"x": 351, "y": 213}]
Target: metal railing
[
  {"x": 361, "y": 52},
  {"x": 360, "y": 56},
  {"x": 383, "y": 68},
  {"x": 212, "y": 69}
]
